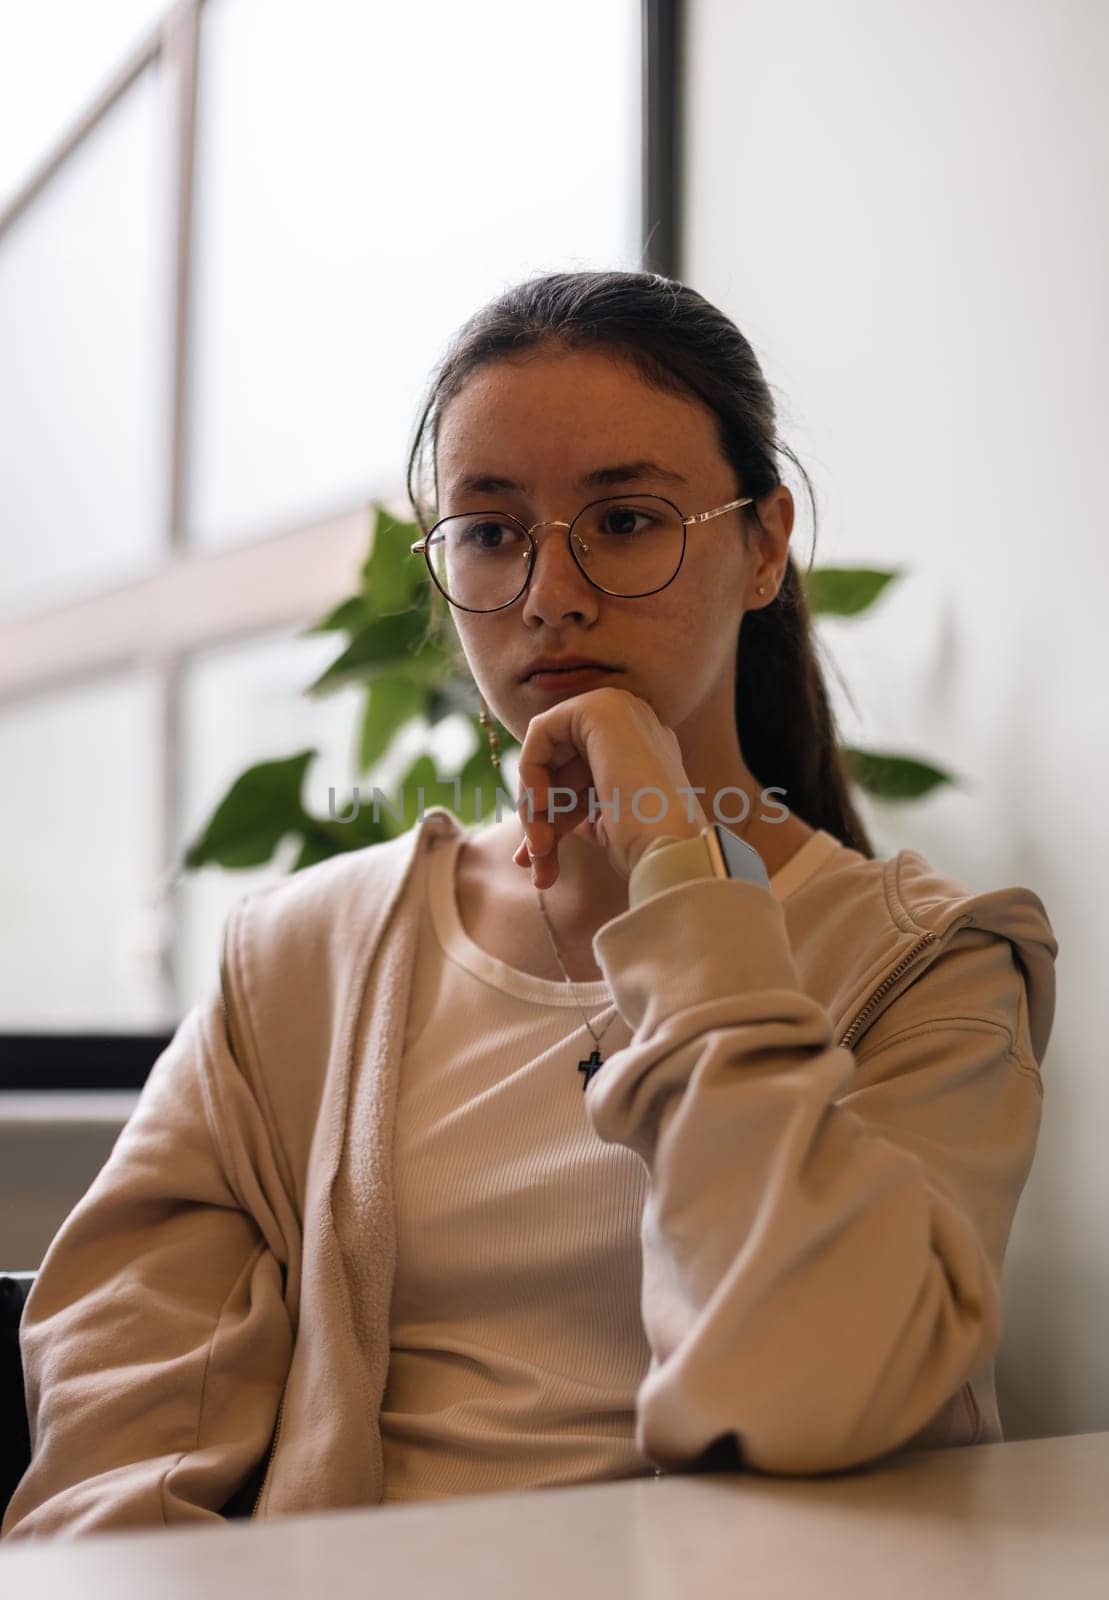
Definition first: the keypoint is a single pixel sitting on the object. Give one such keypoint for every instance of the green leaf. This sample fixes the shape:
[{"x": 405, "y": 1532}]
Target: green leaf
[
  {"x": 452, "y": 696},
  {"x": 390, "y": 703},
  {"x": 347, "y": 617},
  {"x": 348, "y": 829},
  {"x": 259, "y": 809},
  {"x": 845, "y": 591},
  {"x": 893, "y": 777},
  {"x": 421, "y": 774},
  {"x": 392, "y": 577},
  {"x": 324, "y": 837},
  {"x": 317, "y": 846},
  {"x": 437, "y": 705},
  {"x": 385, "y": 642}
]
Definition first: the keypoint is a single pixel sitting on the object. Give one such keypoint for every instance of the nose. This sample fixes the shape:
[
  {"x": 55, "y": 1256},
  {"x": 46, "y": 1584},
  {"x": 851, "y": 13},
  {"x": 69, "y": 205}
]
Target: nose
[{"x": 558, "y": 588}]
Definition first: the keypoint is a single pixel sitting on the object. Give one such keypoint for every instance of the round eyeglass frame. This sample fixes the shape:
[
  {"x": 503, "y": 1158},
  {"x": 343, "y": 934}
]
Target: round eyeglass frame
[{"x": 422, "y": 546}]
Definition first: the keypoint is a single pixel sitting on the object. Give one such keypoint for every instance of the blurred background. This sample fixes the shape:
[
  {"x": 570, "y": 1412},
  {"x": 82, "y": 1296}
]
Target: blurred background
[{"x": 235, "y": 236}]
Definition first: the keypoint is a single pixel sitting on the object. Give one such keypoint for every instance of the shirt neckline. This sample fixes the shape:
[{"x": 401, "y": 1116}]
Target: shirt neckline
[
  {"x": 461, "y": 948},
  {"x": 458, "y": 946}
]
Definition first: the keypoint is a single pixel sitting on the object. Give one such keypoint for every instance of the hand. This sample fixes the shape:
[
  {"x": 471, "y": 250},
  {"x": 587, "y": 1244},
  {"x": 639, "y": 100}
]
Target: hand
[{"x": 609, "y": 742}]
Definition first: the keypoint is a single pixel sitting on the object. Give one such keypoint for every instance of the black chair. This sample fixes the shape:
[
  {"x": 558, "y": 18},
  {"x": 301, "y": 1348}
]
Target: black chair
[{"x": 15, "y": 1439}]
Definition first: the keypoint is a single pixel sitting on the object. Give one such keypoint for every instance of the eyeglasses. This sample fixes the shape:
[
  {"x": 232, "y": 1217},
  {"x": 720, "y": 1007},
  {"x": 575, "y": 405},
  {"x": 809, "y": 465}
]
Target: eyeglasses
[{"x": 629, "y": 546}]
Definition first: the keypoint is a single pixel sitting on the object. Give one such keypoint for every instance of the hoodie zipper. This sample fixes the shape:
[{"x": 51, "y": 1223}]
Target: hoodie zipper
[{"x": 884, "y": 987}]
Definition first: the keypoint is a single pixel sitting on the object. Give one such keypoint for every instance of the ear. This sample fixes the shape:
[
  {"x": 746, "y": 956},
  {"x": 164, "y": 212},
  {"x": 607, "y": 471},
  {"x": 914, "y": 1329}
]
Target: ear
[{"x": 772, "y": 533}]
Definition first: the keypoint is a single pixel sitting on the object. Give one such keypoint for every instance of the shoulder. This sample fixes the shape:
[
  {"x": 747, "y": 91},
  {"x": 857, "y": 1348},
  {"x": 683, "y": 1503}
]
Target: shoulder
[
  {"x": 1010, "y": 922},
  {"x": 329, "y": 908},
  {"x": 906, "y": 894},
  {"x": 313, "y": 930},
  {"x": 905, "y": 920}
]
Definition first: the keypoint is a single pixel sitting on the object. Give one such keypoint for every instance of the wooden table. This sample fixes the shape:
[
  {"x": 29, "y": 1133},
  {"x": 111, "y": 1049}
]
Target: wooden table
[{"x": 1027, "y": 1518}]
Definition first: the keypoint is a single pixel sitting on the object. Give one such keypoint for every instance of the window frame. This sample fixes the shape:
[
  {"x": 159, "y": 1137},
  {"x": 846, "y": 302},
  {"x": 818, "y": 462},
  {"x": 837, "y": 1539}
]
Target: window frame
[{"x": 231, "y": 594}]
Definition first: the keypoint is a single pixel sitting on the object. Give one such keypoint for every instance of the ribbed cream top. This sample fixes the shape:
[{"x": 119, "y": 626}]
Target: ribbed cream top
[{"x": 516, "y": 1340}]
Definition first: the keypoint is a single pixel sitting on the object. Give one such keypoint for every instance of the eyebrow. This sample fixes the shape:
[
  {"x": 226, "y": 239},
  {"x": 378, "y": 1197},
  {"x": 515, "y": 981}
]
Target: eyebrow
[{"x": 600, "y": 477}]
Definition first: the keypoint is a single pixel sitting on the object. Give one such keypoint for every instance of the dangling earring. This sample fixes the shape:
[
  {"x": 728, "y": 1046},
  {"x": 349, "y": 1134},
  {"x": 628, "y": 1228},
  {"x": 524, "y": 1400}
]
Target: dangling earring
[{"x": 491, "y": 733}]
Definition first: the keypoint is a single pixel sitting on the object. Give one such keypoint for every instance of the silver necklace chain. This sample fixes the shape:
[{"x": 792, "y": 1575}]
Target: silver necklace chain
[{"x": 597, "y": 1037}]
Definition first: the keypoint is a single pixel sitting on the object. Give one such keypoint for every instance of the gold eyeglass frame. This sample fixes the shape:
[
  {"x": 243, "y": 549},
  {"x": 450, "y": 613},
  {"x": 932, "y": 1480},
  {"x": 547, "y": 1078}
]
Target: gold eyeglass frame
[{"x": 421, "y": 546}]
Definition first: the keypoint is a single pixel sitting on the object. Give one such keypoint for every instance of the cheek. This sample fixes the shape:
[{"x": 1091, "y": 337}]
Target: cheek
[
  {"x": 692, "y": 621},
  {"x": 488, "y": 649},
  {"x": 705, "y": 637},
  {"x": 474, "y": 640}
]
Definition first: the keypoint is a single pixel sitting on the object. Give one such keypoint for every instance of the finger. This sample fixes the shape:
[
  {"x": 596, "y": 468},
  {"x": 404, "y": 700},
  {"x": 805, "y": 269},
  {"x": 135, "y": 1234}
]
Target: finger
[
  {"x": 584, "y": 828},
  {"x": 546, "y": 763},
  {"x": 573, "y": 818},
  {"x": 564, "y": 823},
  {"x": 575, "y": 774},
  {"x": 573, "y": 779},
  {"x": 545, "y": 868},
  {"x": 548, "y": 744}
]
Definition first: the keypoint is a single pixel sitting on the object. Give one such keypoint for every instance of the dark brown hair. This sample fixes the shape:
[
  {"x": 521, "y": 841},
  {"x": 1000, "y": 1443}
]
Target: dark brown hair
[{"x": 679, "y": 342}]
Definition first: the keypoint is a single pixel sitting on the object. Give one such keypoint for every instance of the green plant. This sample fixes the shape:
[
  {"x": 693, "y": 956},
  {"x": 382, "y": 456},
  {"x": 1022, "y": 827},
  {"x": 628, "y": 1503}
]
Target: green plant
[{"x": 406, "y": 671}]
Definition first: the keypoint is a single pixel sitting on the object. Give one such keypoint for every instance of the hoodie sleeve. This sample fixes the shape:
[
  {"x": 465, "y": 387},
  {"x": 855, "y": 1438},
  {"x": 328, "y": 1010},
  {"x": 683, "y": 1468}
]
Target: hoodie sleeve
[
  {"x": 155, "y": 1339},
  {"x": 824, "y": 1231}
]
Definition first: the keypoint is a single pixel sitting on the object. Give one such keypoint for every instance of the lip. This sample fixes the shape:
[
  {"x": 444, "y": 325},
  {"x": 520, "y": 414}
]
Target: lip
[
  {"x": 567, "y": 662},
  {"x": 569, "y": 678}
]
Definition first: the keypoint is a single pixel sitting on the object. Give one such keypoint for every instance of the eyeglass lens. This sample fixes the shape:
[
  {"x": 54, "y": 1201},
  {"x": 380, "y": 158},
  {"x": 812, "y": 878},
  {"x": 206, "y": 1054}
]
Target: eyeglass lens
[{"x": 628, "y": 546}]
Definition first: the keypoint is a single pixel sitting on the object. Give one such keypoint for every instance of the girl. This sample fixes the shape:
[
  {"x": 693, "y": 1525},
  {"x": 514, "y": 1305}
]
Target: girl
[{"x": 657, "y": 1125}]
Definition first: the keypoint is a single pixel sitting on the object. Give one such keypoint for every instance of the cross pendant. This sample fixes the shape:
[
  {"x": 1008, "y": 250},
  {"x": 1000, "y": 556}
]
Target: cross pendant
[{"x": 594, "y": 1064}]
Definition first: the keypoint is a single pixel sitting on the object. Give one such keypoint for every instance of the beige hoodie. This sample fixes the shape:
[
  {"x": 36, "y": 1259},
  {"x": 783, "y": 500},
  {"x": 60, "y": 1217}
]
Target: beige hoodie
[{"x": 837, "y": 1097}]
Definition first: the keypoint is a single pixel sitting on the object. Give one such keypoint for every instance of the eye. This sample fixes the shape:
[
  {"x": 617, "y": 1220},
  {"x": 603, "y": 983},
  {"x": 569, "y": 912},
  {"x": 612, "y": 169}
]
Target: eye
[
  {"x": 488, "y": 533},
  {"x": 620, "y": 521}
]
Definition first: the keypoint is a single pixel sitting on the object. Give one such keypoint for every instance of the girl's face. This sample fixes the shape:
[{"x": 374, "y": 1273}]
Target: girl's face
[{"x": 543, "y": 424}]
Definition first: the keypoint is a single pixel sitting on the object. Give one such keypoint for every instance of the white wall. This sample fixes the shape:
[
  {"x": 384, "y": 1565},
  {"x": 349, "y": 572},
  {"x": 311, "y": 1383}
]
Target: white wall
[{"x": 903, "y": 205}]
